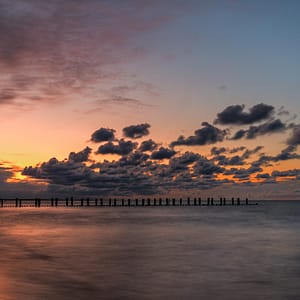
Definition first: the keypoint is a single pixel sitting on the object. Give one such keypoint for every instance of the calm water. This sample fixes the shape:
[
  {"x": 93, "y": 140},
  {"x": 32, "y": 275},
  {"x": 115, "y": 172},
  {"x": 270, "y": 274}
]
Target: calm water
[{"x": 188, "y": 253}]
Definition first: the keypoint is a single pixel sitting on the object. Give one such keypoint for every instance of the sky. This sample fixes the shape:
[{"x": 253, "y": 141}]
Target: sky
[{"x": 140, "y": 97}]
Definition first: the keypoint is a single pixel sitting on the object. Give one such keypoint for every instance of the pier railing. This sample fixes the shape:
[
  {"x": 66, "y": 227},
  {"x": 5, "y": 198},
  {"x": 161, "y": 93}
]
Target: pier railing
[{"x": 122, "y": 202}]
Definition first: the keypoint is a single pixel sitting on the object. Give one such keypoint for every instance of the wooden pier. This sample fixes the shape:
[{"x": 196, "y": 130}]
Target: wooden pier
[{"x": 121, "y": 202}]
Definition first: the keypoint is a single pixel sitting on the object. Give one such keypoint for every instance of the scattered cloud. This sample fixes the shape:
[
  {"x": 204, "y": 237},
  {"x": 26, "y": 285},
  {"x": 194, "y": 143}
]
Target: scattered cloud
[
  {"x": 163, "y": 153},
  {"x": 136, "y": 131},
  {"x": 294, "y": 139},
  {"x": 103, "y": 135},
  {"x": 235, "y": 114},
  {"x": 208, "y": 134},
  {"x": 148, "y": 145},
  {"x": 122, "y": 148}
]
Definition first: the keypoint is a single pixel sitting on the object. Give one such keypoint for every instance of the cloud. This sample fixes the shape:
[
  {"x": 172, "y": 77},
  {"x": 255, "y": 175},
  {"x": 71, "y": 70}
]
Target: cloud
[
  {"x": 235, "y": 114},
  {"x": 287, "y": 173},
  {"x": 103, "y": 135},
  {"x": 122, "y": 148},
  {"x": 72, "y": 47},
  {"x": 294, "y": 139},
  {"x": 270, "y": 127},
  {"x": 81, "y": 156},
  {"x": 148, "y": 145},
  {"x": 163, "y": 153},
  {"x": 136, "y": 131},
  {"x": 209, "y": 134}
]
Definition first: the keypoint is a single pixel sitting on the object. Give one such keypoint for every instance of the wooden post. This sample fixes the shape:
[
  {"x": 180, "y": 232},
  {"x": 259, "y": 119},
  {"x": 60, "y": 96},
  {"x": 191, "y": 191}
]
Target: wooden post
[
  {"x": 136, "y": 202},
  {"x": 212, "y": 201},
  {"x": 159, "y": 202},
  {"x": 224, "y": 201},
  {"x": 109, "y": 202},
  {"x": 56, "y": 202},
  {"x": 221, "y": 200},
  {"x": 174, "y": 202},
  {"x": 1, "y": 202},
  {"x": 17, "y": 202},
  {"x": 149, "y": 202},
  {"x": 154, "y": 201},
  {"x": 101, "y": 202},
  {"x": 247, "y": 201},
  {"x": 238, "y": 201},
  {"x": 72, "y": 201},
  {"x": 188, "y": 201},
  {"x": 232, "y": 201},
  {"x": 67, "y": 201},
  {"x": 199, "y": 201},
  {"x": 180, "y": 202},
  {"x": 208, "y": 200}
]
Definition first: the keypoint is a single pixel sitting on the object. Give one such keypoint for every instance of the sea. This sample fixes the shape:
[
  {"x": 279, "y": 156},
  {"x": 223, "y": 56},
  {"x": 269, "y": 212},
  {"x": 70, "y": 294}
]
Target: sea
[{"x": 207, "y": 252}]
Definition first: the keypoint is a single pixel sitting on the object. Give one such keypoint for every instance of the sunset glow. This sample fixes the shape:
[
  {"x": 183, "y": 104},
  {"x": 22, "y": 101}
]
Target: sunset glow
[{"x": 116, "y": 98}]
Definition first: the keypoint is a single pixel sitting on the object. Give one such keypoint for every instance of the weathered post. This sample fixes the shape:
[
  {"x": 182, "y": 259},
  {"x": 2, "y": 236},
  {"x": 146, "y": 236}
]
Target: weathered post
[
  {"x": 159, "y": 202},
  {"x": 67, "y": 201},
  {"x": 224, "y": 201},
  {"x": 238, "y": 201},
  {"x": 232, "y": 201},
  {"x": 180, "y": 201},
  {"x": 17, "y": 202},
  {"x": 174, "y": 202},
  {"x": 188, "y": 201},
  {"x": 109, "y": 202},
  {"x": 1, "y": 202},
  {"x": 101, "y": 202},
  {"x": 148, "y": 201},
  {"x": 212, "y": 201},
  {"x": 247, "y": 201},
  {"x": 154, "y": 201},
  {"x": 199, "y": 201},
  {"x": 208, "y": 201},
  {"x": 56, "y": 202},
  {"x": 167, "y": 201},
  {"x": 72, "y": 201},
  {"x": 221, "y": 200},
  {"x": 136, "y": 202}
]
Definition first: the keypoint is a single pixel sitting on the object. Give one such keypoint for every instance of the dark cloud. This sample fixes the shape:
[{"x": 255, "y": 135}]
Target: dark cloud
[
  {"x": 209, "y": 134},
  {"x": 288, "y": 173},
  {"x": 136, "y": 131},
  {"x": 148, "y": 145},
  {"x": 204, "y": 166},
  {"x": 235, "y": 114},
  {"x": 269, "y": 127},
  {"x": 81, "y": 156},
  {"x": 103, "y": 135},
  {"x": 122, "y": 148},
  {"x": 217, "y": 151},
  {"x": 294, "y": 139},
  {"x": 263, "y": 176},
  {"x": 163, "y": 153},
  {"x": 230, "y": 161}
]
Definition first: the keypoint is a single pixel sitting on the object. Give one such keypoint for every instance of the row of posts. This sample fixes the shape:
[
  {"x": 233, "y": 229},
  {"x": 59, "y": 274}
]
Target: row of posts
[{"x": 54, "y": 202}]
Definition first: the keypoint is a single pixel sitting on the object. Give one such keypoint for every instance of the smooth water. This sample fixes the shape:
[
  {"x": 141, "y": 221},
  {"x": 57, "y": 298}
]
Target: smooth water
[{"x": 247, "y": 252}]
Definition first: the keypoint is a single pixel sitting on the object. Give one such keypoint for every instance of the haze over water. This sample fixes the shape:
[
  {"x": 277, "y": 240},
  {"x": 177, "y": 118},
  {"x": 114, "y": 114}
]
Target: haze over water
[{"x": 242, "y": 252}]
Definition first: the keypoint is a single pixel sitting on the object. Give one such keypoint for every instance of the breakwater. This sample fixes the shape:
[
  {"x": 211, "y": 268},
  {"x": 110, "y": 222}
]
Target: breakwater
[{"x": 122, "y": 202}]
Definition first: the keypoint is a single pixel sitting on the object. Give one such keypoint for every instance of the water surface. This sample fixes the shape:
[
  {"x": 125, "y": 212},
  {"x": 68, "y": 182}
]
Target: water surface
[{"x": 247, "y": 252}]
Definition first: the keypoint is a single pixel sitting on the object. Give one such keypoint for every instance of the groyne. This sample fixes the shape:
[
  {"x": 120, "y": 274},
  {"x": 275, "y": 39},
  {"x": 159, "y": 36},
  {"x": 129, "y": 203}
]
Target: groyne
[{"x": 122, "y": 202}]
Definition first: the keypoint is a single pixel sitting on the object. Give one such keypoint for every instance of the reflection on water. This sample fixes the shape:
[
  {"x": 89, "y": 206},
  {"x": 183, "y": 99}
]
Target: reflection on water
[{"x": 151, "y": 253}]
